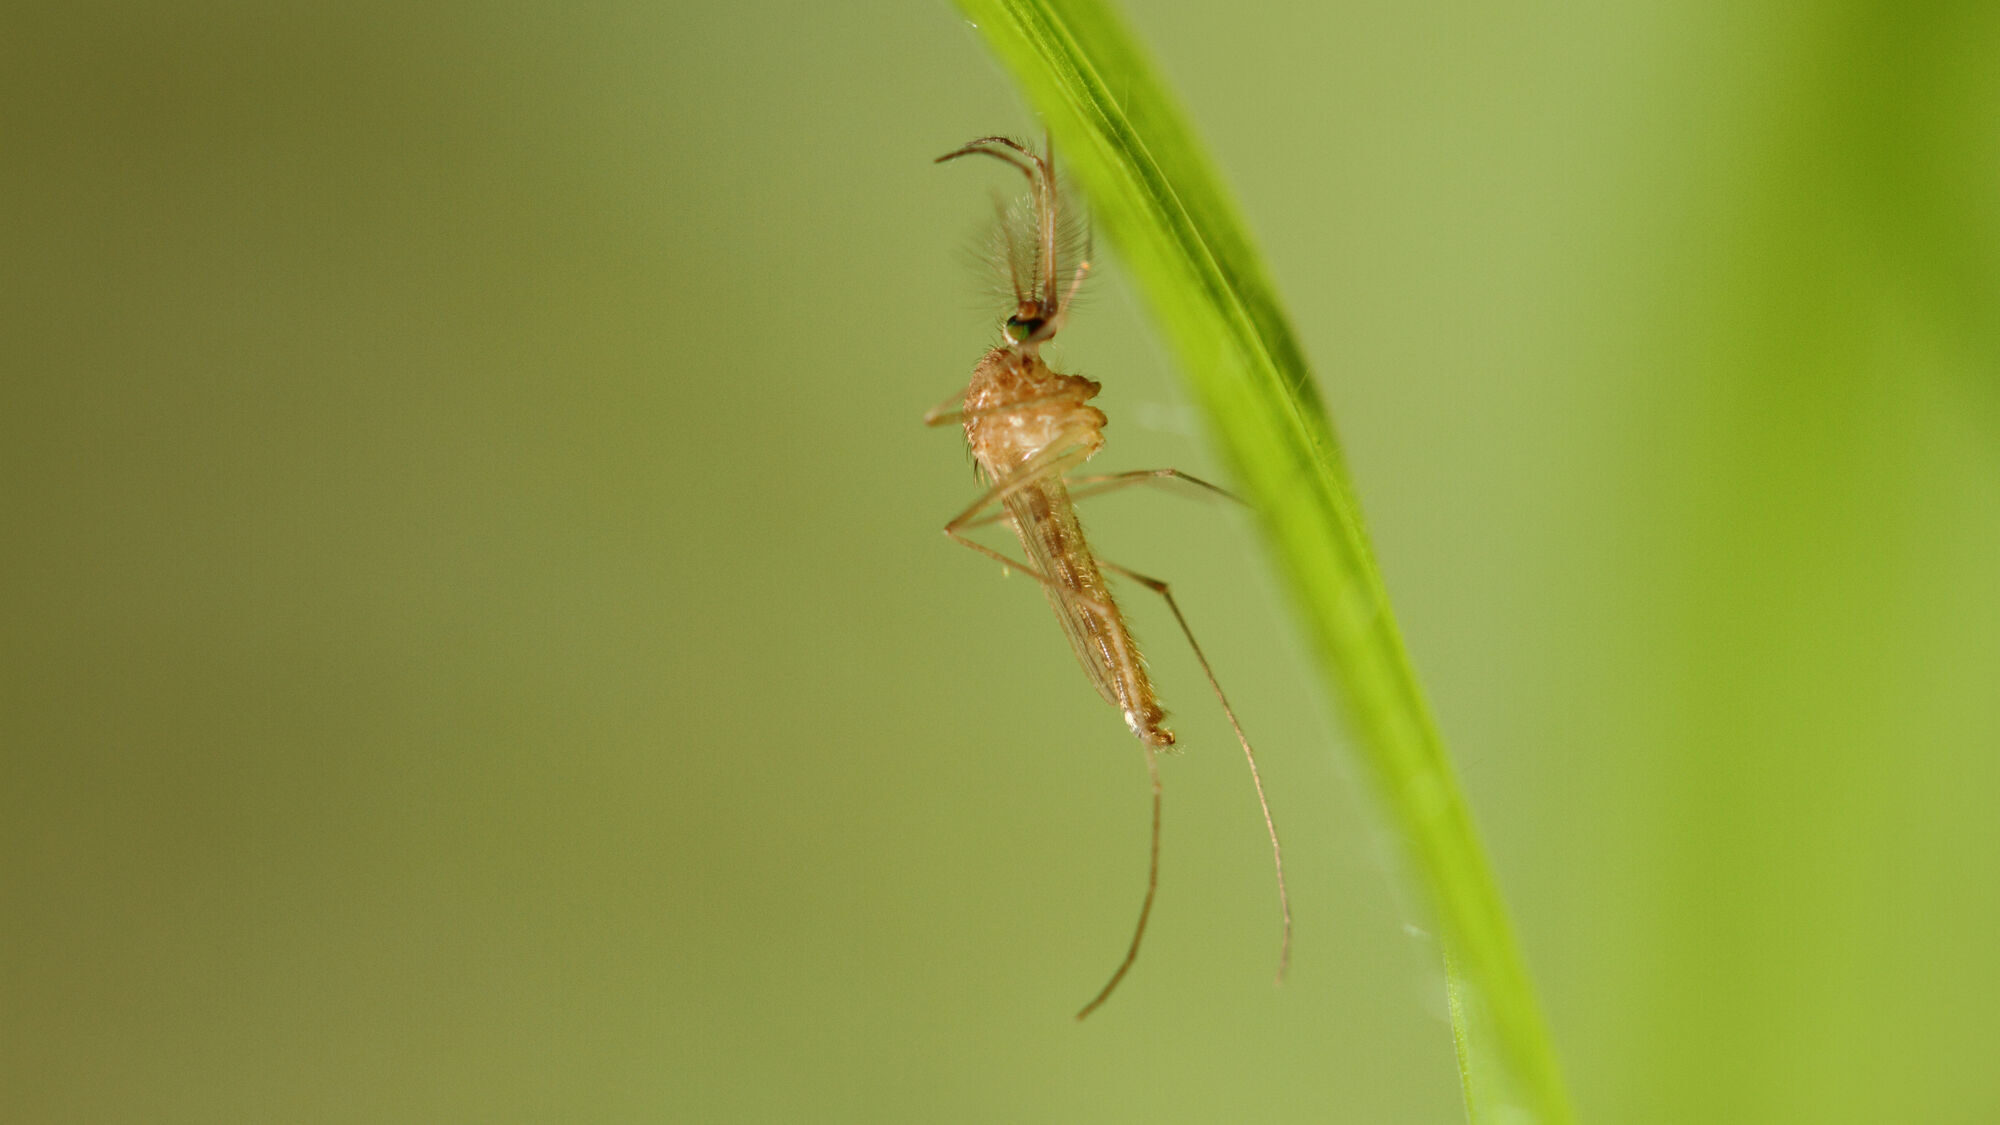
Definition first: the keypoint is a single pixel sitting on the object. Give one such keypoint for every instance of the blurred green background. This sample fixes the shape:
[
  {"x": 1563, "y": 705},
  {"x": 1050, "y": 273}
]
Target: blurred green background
[{"x": 478, "y": 645}]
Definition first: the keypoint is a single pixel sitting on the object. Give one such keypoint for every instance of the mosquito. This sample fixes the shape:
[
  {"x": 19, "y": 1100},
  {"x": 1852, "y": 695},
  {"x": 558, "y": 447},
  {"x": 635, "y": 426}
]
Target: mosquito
[{"x": 1028, "y": 427}]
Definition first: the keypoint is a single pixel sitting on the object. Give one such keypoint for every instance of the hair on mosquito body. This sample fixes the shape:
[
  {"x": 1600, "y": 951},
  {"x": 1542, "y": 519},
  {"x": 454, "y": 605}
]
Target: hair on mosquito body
[{"x": 994, "y": 252}]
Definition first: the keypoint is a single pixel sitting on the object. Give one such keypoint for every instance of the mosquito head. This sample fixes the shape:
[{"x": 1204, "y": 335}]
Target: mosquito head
[
  {"x": 1029, "y": 324},
  {"x": 1035, "y": 243}
]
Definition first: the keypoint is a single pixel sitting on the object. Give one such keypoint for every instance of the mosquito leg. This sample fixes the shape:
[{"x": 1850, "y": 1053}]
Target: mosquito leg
[
  {"x": 1024, "y": 568},
  {"x": 1256, "y": 779},
  {"x": 1152, "y": 888},
  {"x": 1069, "y": 448},
  {"x": 1110, "y": 482},
  {"x": 946, "y": 411}
]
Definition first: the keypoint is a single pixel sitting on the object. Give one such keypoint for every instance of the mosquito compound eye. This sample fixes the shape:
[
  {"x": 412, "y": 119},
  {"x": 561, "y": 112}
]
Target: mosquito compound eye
[{"x": 1020, "y": 329}]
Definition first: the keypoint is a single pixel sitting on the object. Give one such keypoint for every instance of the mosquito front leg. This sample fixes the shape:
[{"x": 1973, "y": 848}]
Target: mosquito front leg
[
  {"x": 947, "y": 411},
  {"x": 1250, "y": 756},
  {"x": 1097, "y": 485}
]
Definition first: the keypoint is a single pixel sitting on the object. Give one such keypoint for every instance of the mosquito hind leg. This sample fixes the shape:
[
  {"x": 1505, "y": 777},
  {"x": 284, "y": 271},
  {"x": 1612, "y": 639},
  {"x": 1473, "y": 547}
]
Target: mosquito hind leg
[
  {"x": 1152, "y": 889},
  {"x": 1250, "y": 756}
]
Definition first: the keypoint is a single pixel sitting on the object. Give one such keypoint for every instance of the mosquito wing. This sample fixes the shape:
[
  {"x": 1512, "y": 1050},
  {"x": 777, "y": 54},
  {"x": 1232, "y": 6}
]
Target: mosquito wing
[{"x": 1045, "y": 519}]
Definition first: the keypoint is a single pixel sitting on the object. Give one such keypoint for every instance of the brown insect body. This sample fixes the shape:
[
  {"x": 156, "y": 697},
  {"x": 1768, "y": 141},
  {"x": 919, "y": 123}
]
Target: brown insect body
[
  {"x": 1019, "y": 414},
  {"x": 1028, "y": 426}
]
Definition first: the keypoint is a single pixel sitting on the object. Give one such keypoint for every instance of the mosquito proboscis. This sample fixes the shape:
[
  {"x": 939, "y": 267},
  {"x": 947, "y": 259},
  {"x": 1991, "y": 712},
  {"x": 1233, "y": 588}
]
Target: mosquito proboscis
[{"x": 1028, "y": 428}]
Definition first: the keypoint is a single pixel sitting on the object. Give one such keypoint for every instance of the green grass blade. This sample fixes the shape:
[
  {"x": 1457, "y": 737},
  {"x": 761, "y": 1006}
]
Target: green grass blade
[{"x": 1153, "y": 191}]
